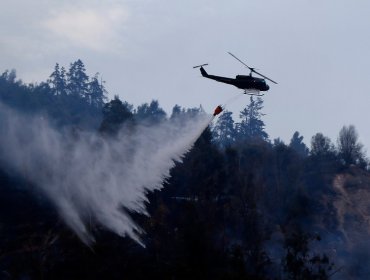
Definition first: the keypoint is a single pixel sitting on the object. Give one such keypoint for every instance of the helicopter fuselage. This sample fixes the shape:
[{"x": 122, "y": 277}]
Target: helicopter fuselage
[{"x": 240, "y": 81}]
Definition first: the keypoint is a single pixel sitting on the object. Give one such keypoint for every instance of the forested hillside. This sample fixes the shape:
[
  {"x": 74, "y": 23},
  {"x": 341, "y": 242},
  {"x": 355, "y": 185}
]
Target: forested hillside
[{"x": 239, "y": 206}]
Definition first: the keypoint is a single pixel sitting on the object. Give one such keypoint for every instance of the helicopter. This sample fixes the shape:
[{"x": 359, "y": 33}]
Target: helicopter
[{"x": 251, "y": 85}]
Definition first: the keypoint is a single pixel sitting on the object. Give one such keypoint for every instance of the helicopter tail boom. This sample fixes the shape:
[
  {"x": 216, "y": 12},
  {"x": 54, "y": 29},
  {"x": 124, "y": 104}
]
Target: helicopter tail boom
[{"x": 203, "y": 72}]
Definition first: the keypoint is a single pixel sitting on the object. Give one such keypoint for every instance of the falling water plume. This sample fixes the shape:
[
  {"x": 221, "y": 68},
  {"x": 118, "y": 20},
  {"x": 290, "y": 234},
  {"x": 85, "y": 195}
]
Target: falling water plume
[{"x": 93, "y": 177}]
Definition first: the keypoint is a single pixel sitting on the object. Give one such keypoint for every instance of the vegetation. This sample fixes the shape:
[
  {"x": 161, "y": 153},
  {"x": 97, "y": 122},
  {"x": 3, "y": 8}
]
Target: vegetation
[{"x": 240, "y": 206}]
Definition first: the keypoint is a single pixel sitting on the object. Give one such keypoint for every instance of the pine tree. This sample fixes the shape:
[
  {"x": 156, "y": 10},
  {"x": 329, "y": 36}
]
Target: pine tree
[
  {"x": 96, "y": 92},
  {"x": 77, "y": 79},
  {"x": 251, "y": 126},
  {"x": 224, "y": 131},
  {"x": 57, "y": 80}
]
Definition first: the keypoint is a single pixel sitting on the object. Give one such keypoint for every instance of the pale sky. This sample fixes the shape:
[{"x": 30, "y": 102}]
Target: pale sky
[{"x": 317, "y": 50}]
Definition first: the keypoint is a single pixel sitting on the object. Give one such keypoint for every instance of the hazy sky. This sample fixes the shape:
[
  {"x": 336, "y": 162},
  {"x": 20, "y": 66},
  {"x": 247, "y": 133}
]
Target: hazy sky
[{"x": 318, "y": 51}]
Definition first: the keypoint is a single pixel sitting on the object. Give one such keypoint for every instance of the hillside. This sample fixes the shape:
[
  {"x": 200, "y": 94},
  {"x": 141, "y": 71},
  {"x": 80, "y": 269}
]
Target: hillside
[{"x": 238, "y": 205}]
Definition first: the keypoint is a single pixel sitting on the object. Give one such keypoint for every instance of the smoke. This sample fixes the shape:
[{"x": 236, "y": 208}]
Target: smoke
[
  {"x": 89, "y": 177},
  {"x": 352, "y": 213}
]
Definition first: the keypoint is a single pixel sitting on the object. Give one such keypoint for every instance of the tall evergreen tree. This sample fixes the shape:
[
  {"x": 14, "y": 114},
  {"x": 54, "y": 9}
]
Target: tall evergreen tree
[
  {"x": 224, "y": 131},
  {"x": 251, "y": 126},
  {"x": 96, "y": 92},
  {"x": 77, "y": 79},
  {"x": 57, "y": 80}
]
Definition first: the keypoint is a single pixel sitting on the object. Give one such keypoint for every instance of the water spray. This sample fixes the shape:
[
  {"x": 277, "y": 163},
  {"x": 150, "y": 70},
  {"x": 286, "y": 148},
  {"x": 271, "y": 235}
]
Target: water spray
[{"x": 92, "y": 178}]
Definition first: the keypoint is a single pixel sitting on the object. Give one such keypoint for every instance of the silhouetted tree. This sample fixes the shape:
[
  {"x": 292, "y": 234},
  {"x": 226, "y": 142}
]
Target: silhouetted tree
[
  {"x": 224, "y": 131},
  {"x": 321, "y": 145},
  {"x": 150, "y": 113},
  {"x": 57, "y": 81},
  {"x": 349, "y": 149},
  {"x": 277, "y": 142},
  {"x": 77, "y": 79},
  {"x": 296, "y": 143},
  {"x": 251, "y": 126},
  {"x": 115, "y": 113},
  {"x": 9, "y": 76},
  {"x": 176, "y": 112},
  {"x": 96, "y": 92}
]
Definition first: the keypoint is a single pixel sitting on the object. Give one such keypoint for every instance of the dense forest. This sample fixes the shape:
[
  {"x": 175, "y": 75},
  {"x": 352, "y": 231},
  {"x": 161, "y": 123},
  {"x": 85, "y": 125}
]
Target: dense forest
[{"x": 239, "y": 206}]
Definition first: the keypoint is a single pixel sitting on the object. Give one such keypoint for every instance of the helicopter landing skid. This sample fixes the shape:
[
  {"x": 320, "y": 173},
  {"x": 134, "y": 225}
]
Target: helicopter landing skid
[{"x": 253, "y": 92}]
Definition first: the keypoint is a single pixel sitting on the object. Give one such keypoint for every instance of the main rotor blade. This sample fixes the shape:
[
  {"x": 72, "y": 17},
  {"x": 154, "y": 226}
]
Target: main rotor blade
[
  {"x": 239, "y": 60},
  {"x": 263, "y": 76},
  {"x": 252, "y": 69}
]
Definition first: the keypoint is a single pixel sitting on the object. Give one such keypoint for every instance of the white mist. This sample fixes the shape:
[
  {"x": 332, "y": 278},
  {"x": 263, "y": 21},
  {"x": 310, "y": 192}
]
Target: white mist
[{"x": 91, "y": 177}]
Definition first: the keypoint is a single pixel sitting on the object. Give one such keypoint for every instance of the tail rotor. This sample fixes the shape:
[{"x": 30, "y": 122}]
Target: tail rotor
[{"x": 200, "y": 65}]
